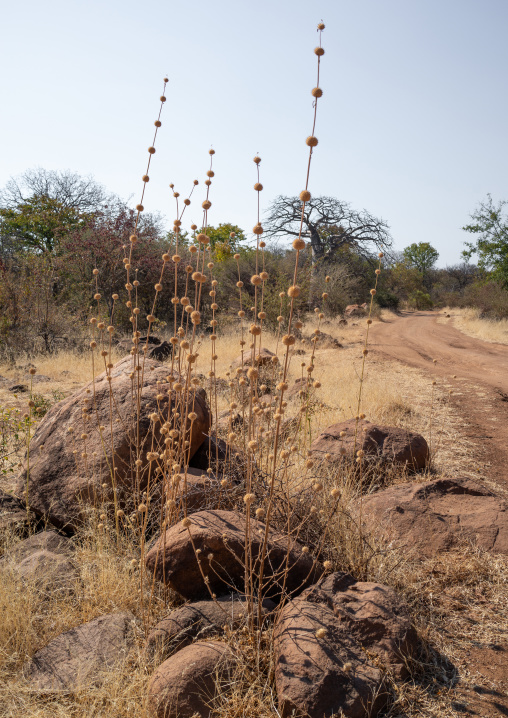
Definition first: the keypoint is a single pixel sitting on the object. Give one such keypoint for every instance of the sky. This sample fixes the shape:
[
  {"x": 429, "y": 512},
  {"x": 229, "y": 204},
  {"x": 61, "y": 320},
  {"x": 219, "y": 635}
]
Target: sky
[{"x": 412, "y": 125}]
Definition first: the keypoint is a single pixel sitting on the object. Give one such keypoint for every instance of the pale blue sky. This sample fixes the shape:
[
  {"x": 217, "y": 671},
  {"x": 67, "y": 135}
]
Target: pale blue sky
[{"x": 412, "y": 124}]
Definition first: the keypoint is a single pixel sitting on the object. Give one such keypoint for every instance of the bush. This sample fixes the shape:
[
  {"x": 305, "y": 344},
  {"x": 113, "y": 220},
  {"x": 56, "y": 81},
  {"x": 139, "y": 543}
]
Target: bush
[
  {"x": 420, "y": 300},
  {"x": 490, "y": 298}
]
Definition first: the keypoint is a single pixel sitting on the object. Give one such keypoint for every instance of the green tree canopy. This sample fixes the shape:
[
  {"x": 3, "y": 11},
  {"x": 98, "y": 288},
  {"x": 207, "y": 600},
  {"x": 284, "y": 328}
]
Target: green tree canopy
[
  {"x": 490, "y": 225},
  {"x": 421, "y": 255}
]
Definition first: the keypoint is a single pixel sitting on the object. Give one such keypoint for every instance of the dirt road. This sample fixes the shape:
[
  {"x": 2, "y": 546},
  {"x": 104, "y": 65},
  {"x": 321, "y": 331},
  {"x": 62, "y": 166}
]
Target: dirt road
[{"x": 477, "y": 372}]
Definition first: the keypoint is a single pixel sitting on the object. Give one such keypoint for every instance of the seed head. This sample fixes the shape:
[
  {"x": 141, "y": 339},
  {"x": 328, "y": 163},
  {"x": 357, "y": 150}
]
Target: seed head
[
  {"x": 311, "y": 141},
  {"x": 373, "y": 291},
  {"x": 248, "y": 499},
  {"x": 305, "y": 195},
  {"x": 258, "y": 229},
  {"x": 186, "y": 523},
  {"x": 317, "y": 92},
  {"x": 319, "y": 51},
  {"x": 294, "y": 291},
  {"x": 211, "y": 152},
  {"x": 257, "y": 160},
  {"x": 206, "y": 204},
  {"x": 256, "y": 280},
  {"x": 321, "y": 26},
  {"x": 288, "y": 340},
  {"x": 157, "y": 123}
]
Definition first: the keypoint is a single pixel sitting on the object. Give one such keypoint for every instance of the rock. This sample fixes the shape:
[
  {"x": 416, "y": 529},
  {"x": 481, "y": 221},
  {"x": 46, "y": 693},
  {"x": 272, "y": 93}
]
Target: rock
[
  {"x": 79, "y": 657},
  {"x": 354, "y": 310},
  {"x": 221, "y": 534},
  {"x": 160, "y": 352},
  {"x": 44, "y": 541},
  {"x": 342, "y": 322},
  {"x": 262, "y": 357},
  {"x": 318, "y": 676},
  {"x": 197, "y": 490},
  {"x": 299, "y": 388},
  {"x": 13, "y": 514},
  {"x": 371, "y": 613},
  {"x": 225, "y": 461},
  {"x": 434, "y": 516},
  {"x": 229, "y": 421},
  {"x": 127, "y": 345},
  {"x": 379, "y": 443},
  {"x": 18, "y": 388},
  {"x": 60, "y": 486},
  {"x": 50, "y": 573},
  {"x": 43, "y": 561},
  {"x": 202, "y": 619},
  {"x": 38, "y": 378},
  {"x": 184, "y": 685},
  {"x": 324, "y": 341}
]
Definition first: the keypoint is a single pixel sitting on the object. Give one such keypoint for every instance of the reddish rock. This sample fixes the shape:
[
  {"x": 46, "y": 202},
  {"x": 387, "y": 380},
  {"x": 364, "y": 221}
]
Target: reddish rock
[
  {"x": 50, "y": 573},
  {"x": 318, "y": 676},
  {"x": 60, "y": 483},
  {"x": 371, "y": 613},
  {"x": 379, "y": 443},
  {"x": 221, "y": 536},
  {"x": 354, "y": 310},
  {"x": 80, "y": 656},
  {"x": 434, "y": 516},
  {"x": 324, "y": 341},
  {"x": 185, "y": 684},
  {"x": 43, "y": 541},
  {"x": 196, "y": 490},
  {"x": 13, "y": 514},
  {"x": 262, "y": 357},
  {"x": 195, "y": 621}
]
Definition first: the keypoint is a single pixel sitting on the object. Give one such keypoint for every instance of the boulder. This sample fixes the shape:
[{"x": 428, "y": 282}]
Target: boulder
[
  {"x": 161, "y": 351},
  {"x": 13, "y": 514},
  {"x": 38, "y": 378},
  {"x": 44, "y": 541},
  {"x": 44, "y": 562},
  {"x": 77, "y": 658},
  {"x": 18, "y": 388},
  {"x": 61, "y": 482},
  {"x": 226, "y": 461},
  {"x": 229, "y": 421},
  {"x": 373, "y": 615},
  {"x": 185, "y": 684},
  {"x": 327, "y": 643},
  {"x": 219, "y": 537},
  {"x": 354, "y": 310},
  {"x": 434, "y": 516},
  {"x": 50, "y": 573},
  {"x": 196, "y": 490},
  {"x": 388, "y": 444},
  {"x": 324, "y": 341},
  {"x": 262, "y": 357},
  {"x": 199, "y": 620}
]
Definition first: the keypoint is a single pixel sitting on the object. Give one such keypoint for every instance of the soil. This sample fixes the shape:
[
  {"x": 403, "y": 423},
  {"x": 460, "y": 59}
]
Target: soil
[{"x": 477, "y": 374}]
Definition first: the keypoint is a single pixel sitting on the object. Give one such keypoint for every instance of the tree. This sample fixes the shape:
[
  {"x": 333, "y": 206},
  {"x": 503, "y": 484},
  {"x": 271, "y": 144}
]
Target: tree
[
  {"x": 422, "y": 256},
  {"x": 330, "y": 224},
  {"x": 68, "y": 188},
  {"x": 41, "y": 205},
  {"x": 490, "y": 223}
]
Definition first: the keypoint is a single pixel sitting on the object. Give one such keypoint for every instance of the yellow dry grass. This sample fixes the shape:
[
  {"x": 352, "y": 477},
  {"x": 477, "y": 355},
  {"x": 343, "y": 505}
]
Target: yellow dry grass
[{"x": 468, "y": 320}]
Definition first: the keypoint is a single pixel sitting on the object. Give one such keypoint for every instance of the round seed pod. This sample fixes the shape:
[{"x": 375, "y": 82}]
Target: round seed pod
[
  {"x": 151, "y": 150},
  {"x": 319, "y": 51},
  {"x": 206, "y": 204},
  {"x": 258, "y": 186},
  {"x": 298, "y": 244},
  {"x": 258, "y": 229},
  {"x": 311, "y": 141},
  {"x": 257, "y": 160},
  {"x": 305, "y": 195},
  {"x": 293, "y": 291},
  {"x": 317, "y": 92}
]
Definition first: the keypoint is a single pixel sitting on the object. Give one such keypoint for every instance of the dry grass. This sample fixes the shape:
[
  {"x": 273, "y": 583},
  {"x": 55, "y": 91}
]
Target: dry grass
[{"x": 468, "y": 321}]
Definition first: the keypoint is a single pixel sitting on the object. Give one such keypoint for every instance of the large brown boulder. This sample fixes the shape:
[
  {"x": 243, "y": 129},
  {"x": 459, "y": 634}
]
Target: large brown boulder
[
  {"x": 262, "y": 357},
  {"x": 185, "y": 684},
  {"x": 195, "y": 621},
  {"x": 434, "y": 516},
  {"x": 78, "y": 657},
  {"x": 219, "y": 538},
  {"x": 355, "y": 310},
  {"x": 195, "y": 490},
  {"x": 67, "y": 471},
  {"x": 13, "y": 515},
  {"x": 44, "y": 562},
  {"x": 388, "y": 444},
  {"x": 332, "y": 645}
]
